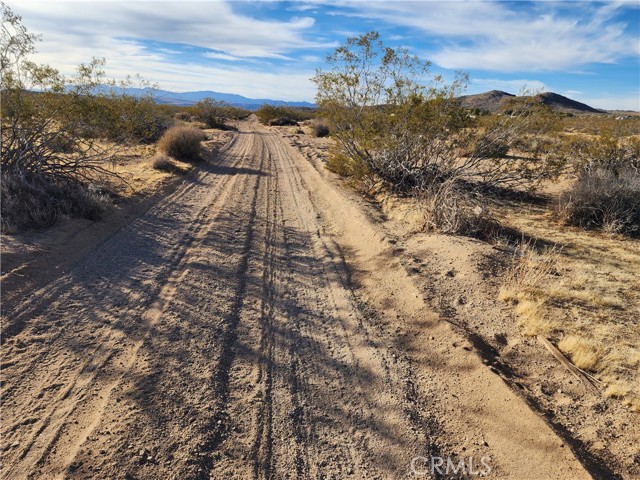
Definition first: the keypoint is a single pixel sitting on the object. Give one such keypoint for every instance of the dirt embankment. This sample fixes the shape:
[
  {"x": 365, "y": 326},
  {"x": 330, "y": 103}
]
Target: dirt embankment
[{"x": 255, "y": 323}]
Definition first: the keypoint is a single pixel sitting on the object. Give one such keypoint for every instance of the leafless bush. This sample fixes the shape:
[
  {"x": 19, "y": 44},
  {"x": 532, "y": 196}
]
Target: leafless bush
[
  {"x": 449, "y": 210},
  {"x": 601, "y": 199},
  {"x": 182, "y": 142}
]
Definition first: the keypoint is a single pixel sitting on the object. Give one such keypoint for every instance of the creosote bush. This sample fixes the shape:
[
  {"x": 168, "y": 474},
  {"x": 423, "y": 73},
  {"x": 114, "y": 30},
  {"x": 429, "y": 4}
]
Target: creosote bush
[
  {"x": 415, "y": 139},
  {"x": 277, "y": 115},
  {"x": 603, "y": 200},
  {"x": 50, "y": 156},
  {"x": 182, "y": 142},
  {"x": 215, "y": 114}
]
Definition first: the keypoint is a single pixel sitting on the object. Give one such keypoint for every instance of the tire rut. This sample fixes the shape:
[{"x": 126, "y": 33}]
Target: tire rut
[{"x": 226, "y": 333}]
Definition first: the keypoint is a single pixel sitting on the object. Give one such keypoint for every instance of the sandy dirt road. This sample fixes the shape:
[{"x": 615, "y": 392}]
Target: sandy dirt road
[{"x": 253, "y": 324}]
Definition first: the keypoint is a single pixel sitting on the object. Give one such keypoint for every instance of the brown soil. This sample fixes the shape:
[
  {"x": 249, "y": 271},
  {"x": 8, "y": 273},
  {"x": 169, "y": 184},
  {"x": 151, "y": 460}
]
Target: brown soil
[{"x": 257, "y": 322}]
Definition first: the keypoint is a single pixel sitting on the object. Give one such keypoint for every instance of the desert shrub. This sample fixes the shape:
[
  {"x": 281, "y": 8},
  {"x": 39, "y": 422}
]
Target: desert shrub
[
  {"x": 215, "y": 114},
  {"x": 279, "y": 115},
  {"x": 321, "y": 129},
  {"x": 36, "y": 201},
  {"x": 490, "y": 148},
  {"x": 353, "y": 168},
  {"x": 183, "y": 116},
  {"x": 601, "y": 199},
  {"x": 410, "y": 135},
  {"x": 608, "y": 152},
  {"x": 165, "y": 164},
  {"x": 182, "y": 142},
  {"x": 126, "y": 118},
  {"x": 49, "y": 157},
  {"x": 450, "y": 210},
  {"x": 282, "y": 122},
  {"x": 211, "y": 113}
]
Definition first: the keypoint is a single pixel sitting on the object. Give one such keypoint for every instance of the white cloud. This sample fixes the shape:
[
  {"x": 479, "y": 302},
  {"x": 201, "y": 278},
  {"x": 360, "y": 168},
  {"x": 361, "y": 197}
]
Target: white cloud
[
  {"x": 208, "y": 24},
  {"x": 491, "y": 36},
  {"x": 74, "y": 32}
]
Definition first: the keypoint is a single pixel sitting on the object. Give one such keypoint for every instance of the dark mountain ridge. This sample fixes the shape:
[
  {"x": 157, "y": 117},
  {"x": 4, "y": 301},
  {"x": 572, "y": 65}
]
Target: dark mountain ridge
[{"x": 494, "y": 100}]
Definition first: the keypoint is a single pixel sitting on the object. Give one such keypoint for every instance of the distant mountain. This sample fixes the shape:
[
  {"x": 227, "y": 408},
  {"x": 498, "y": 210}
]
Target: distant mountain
[
  {"x": 493, "y": 101},
  {"x": 565, "y": 104},
  {"x": 489, "y": 102},
  {"x": 189, "y": 98}
]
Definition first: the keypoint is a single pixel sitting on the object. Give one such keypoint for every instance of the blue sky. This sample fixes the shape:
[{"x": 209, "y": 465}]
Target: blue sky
[{"x": 589, "y": 51}]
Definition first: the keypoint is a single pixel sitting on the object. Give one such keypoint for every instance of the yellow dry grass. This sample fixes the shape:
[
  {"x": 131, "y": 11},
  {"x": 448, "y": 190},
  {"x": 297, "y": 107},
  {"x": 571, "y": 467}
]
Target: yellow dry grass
[
  {"x": 135, "y": 167},
  {"x": 588, "y": 302}
]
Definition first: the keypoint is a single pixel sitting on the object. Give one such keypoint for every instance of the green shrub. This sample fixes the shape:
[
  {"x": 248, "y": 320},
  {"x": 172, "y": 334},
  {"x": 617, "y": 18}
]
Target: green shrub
[
  {"x": 491, "y": 148},
  {"x": 278, "y": 115},
  {"x": 128, "y": 119},
  {"x": 215, "y": 114},
  {"x": 182, "y": 142},
  {"x": 282, "y": 122}
]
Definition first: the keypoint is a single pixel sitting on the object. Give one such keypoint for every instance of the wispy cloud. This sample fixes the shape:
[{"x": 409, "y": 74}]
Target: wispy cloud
[
  {"x": 211, "y": 25},
  {"x": 271, "y": 48},
  {"x": 502, "y": 37}
]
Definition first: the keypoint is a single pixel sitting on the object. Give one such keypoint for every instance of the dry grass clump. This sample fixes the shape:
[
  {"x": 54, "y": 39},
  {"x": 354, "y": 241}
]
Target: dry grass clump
[
  {"x": 587, "y": 302},
  {"x": 182, "y": 142},
  {"x": 604, "y": 200},
  {"x": 166, "y": 164},
  {"x": 584, "y": 353},
  {"x": 523, "y": 283}
]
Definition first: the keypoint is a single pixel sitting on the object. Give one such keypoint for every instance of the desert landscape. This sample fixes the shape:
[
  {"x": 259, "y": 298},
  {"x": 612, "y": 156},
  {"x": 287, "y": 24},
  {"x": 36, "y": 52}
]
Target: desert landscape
[{"x": 401, "y": 279}]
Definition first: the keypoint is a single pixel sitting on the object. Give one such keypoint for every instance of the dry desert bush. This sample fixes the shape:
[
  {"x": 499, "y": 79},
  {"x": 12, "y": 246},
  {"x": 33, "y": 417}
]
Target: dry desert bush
[
  {"x": 182, "y": 142},
  {"x": 320, "y": 129},
  {"x": 599, "y": 199}
]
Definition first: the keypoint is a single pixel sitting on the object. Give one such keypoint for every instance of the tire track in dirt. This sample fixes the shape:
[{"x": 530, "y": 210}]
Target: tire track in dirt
[
  {"x": 249, "y": 326},
  {"x": 101, "y": 351}
]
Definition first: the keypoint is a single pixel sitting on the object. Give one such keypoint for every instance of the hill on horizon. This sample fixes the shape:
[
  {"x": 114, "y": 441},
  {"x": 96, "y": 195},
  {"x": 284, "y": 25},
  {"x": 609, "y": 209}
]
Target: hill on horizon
[{"x": 494, "y": 100}]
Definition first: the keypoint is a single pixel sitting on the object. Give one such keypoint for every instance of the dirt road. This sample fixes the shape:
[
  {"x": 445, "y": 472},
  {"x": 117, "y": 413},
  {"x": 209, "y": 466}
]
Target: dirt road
[{"x": 253, "y": 324}]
